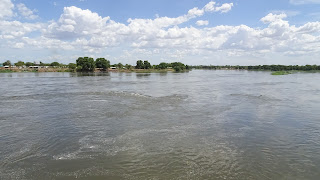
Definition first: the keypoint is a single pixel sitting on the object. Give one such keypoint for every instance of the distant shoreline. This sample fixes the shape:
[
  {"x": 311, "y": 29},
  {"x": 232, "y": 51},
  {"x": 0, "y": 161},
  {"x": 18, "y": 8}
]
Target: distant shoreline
[
  {"x": 97, "y": 70},
  {"x": 59, "y": 69},
  {"x": 16, "y": 69}
]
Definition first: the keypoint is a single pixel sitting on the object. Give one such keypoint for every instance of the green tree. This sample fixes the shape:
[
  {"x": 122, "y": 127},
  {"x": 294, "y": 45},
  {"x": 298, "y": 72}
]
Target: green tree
[
  {"x": 72, "y": 66},
  {"x": 139, "y": 65},
  {"x": 7, "y": 63},
  {"x": 178, "y": 66},
  {"x": 128, "y": 66},
  {"x": 119, "y": 66},
  {"x": 146, "y": 65},
  {"x": 29, "y": 64},
  {"x": 19, "y": 63},
  {"x": 163, "y": 65},
  {"x": 102, "y": 63},
  {"x": 55, "y": 64},
  {"x": 44, "y": 64},
  {"x": 85, "y": 64}
]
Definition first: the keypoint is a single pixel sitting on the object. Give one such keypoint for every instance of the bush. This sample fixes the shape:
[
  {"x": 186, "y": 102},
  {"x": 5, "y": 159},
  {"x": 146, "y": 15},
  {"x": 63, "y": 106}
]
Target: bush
[{"x": 85, "y": 64}]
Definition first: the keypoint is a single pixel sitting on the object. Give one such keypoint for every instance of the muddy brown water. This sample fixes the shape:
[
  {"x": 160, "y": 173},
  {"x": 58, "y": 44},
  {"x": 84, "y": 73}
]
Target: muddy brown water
[{"x": 196, "y": 125}]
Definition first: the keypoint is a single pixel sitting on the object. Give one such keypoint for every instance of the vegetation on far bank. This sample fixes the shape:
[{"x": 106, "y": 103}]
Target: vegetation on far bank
[
  {"x": 88, "y": 64},
  {"x": 281, "y": 73},
  {"x": 6, "y": 71},
  {"x": 263, "y": 67}
]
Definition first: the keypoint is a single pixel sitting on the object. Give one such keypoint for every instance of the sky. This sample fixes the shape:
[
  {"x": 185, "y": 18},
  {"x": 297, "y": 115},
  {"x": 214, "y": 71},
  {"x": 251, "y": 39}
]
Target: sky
[{"x": 194, "y": 32}]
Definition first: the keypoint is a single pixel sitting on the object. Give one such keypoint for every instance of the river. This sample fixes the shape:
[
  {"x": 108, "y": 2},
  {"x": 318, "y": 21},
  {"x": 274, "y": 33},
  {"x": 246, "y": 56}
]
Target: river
[{"x": 196, "y": 125}]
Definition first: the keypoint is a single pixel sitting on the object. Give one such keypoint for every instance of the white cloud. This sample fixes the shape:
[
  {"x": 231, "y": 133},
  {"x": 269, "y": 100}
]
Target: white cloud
[
  {"x": 202, "y": 23},
  {"x": 140, "y": 25},
  {"x": 273, "y": 17},
  {"x": 278, "y": 37},
  {"x": 289, "y": 13},
  {"x": 26, "y": 12},
  {"x": 6, "y": 7},
  {"x": 224, "y": 8},
  {"x": 18, "y": 45},
  {"x": 195, "y": 12},
  {"x": 92, "y": 30},
  {"x": 309, "y": 28},
  {"x": 300, "y": 2},
  {"x": 210, "y": 7},
  {"x": 83, "y": 31},
  {"x": 75, "y": 22},
  {"x": 18, "y": 29},
  {"x": 47, "y": 43}
]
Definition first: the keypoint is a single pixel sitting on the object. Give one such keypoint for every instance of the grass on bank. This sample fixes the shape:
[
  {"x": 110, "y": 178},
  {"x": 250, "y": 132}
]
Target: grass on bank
[
  {"x": 141, "y": 70},
  {"x": 5, "y": 71},
  {"x": 15, "y": 70},
  {"x": 151, "y": 70},
  {"x": 277, "y": 73}
]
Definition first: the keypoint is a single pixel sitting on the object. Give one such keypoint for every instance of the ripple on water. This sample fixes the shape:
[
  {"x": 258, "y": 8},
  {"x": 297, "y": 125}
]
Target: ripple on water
[
  {"x": 169, "y": 149},
  {"x": 197, "y": 125}
]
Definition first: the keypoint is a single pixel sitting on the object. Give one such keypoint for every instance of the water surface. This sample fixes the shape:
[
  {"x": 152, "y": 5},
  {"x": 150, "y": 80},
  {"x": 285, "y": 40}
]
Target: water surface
[{"x": 196, "y": 125}]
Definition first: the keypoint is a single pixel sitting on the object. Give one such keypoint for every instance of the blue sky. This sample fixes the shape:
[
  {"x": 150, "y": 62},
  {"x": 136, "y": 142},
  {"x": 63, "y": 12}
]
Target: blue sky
[{"x": 244, "y": 32}]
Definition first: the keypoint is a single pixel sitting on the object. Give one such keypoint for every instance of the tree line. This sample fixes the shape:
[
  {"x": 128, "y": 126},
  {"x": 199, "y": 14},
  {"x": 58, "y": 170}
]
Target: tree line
[
  {"x": 28, "y": 64},
  {"x": 263, "y": 67},
  {"x": 88, "y": 64}
]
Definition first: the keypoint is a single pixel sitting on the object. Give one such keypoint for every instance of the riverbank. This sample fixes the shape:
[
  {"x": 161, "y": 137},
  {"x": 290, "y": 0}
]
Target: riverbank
[
  {"x": 277, "y": 73},
  {"x": 12, "y": 70},
  {"x": 141, "y": 70},
  {"x": 64, "y": 69},
  {"x": 15, "y": 69}
]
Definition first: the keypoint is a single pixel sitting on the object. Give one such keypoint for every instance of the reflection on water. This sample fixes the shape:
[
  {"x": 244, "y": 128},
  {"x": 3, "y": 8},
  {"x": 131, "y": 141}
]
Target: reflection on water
[
  {"x": 79, "y": 74},
  {"x": 196, "y": 125},
  {"x": 141, "y": 75}
]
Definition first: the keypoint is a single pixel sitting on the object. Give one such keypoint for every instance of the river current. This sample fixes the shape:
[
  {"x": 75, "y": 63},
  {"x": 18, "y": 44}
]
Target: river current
[{"x": 195, "y": 125}]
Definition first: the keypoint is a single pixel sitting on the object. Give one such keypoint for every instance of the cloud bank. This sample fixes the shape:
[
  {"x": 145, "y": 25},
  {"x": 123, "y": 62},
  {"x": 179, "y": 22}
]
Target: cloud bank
[{"x": 80, "y": 32}]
